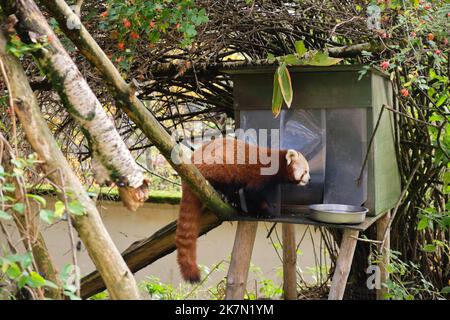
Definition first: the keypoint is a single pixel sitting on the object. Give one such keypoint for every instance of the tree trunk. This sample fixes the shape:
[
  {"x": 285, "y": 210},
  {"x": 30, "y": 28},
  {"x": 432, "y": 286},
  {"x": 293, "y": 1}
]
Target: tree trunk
[
  {"x": 114, "y": 271},
  {"x": 111, "y": 159},
  {"x": 135, "y": 109}
]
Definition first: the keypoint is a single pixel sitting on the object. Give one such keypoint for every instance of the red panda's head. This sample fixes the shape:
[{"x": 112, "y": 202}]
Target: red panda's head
[{"x": 297, "y": 168}]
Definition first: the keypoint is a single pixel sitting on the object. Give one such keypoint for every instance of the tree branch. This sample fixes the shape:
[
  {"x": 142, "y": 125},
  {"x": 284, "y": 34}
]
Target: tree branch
[
  {"x": 107, "y": 259},
  {"x": 136, "y": 110},
  {"x": 112, "y": 161}
]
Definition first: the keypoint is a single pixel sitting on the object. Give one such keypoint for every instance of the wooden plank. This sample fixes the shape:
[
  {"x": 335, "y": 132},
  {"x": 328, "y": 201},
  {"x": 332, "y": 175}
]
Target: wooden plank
[
  {"x": 302, "y": 218},
  {"x": 343, "y": 264},
  {"x": 289, "y": 262},
  {"x": 240, "y": 260},
  {"x": 382, "y": 225}
]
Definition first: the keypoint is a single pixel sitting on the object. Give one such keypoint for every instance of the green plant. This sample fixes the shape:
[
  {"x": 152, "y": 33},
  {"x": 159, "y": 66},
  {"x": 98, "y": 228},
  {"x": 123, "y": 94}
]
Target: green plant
[
  {"x": 282, "y": 83},
  {"x": 399, "y": 285},
  {"x": 20, "y": 204},
  {"x": 130, "y": 23}
]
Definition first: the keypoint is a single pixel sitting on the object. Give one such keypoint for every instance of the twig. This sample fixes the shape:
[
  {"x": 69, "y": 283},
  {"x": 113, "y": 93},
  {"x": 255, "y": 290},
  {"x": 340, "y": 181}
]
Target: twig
[
  {"x": 77, "y": 8},
  {"x": 402, "y": 195},
  {"x": 71, "y": 236},
  {"x": 11, "y": 104},
  {"x": 358, "y": 180}
]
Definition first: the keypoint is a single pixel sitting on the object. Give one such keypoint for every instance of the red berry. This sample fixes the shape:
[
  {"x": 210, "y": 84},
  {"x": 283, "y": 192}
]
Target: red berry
[
  {"x": 134, "y": 35},
  {"x": 384, "y": 65},
  {"x": 413, "y": 34},
  {"x": 126, "y": 23},
  {"x": 437, "y": 51},
  {"x": 430, "y": 36},
  {"x": 121, "y": 46},
  {"x": 404, "y": 92},
  {"x": 104, "y": 14},
  {"x": 427, "y": 6},
  {"x": 151, "y": 24},
  {"x": 445, "y": 41}
]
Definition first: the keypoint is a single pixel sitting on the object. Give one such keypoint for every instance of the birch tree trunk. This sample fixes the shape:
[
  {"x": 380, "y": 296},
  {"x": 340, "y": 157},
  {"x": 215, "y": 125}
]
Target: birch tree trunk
[
  {"x": 111, "y": 159},
  {"x": 118, "y": 278},
  {"x": 134, "y": 108}
]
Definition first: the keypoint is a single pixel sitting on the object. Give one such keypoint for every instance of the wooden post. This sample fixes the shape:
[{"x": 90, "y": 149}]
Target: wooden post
[
  {"x": 343, "y": 264},
  {"x": 289, "y": 262},
  {"x": 240, "y": 259},
  {"x": 382, "y": 229}
]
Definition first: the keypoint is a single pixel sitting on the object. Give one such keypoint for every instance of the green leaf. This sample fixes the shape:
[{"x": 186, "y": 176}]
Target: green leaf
[
  {"x": 441, "y": 100},
  {"x": 25, "y": 259},
  {"x": 429, "y": 248},
  {"x": 291, "y": 59},
  {"x": 323, "y": 60},
  {"x": 423, "y": 223},
  {"x": 35, "y": 280},
  {"x": 5, "y": 215},
  {"x": 284, "y": 79},
  {"x": 50, "y": 284},
  {"x": 300, "y": 47},
  {"x": 47, "y": 215},
  {"x": 38, "y": 199},
  {"x": 22, "y": 281},
  {"x": 19, "y": 207},
  {"x": 8, "y": 187},
  {"x": 76, "y": 208},
  {"x": 445, "y": 289},
  {"x": 13, "y": 271},
  {"x": 59, "y": 209},
  {"x": 270, "y": 57},
  {"x": 277, "y": 97}
]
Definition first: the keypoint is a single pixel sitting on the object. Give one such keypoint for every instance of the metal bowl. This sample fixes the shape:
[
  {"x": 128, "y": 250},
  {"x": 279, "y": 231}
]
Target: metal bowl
[{"x": 337, "y": 213}]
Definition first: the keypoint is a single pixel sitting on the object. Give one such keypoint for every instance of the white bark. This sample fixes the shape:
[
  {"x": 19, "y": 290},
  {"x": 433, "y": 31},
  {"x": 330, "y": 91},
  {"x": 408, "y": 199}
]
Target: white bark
[
  {"x": 117, "y": 276},
  {"x": 107, "y": 146}
]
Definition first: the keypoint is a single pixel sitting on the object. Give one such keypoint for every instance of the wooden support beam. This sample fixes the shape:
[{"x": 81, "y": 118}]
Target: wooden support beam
[
  {"x": 240, "y": 260},
  {"x": 382, "y": 229},
  {"x": 289, "y": 262},
  {"x": 343, "y": 264}
]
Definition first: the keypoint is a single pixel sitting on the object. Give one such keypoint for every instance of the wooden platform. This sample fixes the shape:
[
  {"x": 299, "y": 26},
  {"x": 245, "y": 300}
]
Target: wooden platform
[
  {"x": 244, "y": 241},
  {"x": 302, "y": 218}
]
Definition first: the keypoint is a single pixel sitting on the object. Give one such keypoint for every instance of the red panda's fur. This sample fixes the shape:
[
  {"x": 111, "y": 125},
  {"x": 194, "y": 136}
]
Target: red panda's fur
[{"x": 226, "y": 178}]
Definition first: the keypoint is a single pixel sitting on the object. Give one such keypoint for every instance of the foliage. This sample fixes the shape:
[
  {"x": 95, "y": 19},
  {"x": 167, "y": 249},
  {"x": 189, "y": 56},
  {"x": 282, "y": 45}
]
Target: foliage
[
  {"x": 401, "y": 287},
  {"x": 18, "y": 269},
  {"x": 415, "y": 42},
  {"x": 282, "y": 83},
  {"x": 142, "y": 21},
  {"x": 179, "y": 82}
]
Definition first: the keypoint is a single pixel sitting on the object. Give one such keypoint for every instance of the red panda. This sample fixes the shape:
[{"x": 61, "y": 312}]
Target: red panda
[{"x": 229, "y": 176}]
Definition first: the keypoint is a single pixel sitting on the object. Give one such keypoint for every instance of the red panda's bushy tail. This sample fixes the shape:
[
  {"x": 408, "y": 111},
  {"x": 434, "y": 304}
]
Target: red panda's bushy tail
[{"x": 186, "y": 235}]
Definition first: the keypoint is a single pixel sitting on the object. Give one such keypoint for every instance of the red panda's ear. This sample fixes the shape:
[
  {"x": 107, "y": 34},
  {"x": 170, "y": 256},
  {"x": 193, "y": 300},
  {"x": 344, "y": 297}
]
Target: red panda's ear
[{"x": 291, "y": 154}]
